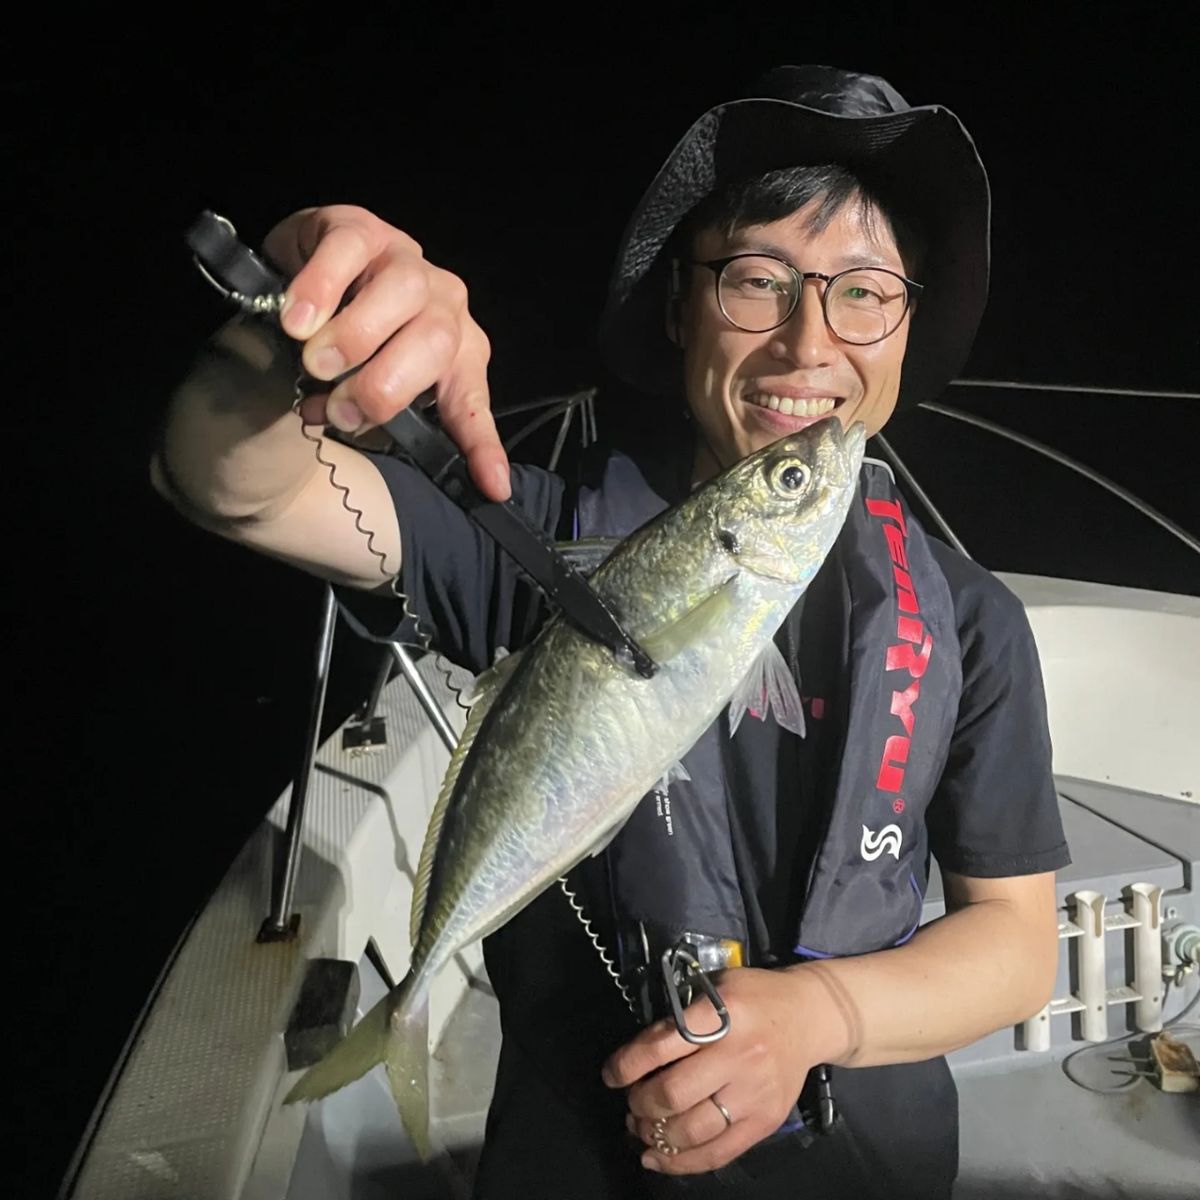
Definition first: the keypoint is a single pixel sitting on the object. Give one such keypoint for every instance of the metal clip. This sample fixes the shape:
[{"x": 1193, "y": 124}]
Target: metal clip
[
  {"x": 671, "y": 983},
  {"x": 827, "y": 1113},
  {"x": 245, "y": 280}
]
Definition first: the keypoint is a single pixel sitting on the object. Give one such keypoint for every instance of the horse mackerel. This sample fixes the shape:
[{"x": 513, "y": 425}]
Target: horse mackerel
[{"x": 563, "y": 740}]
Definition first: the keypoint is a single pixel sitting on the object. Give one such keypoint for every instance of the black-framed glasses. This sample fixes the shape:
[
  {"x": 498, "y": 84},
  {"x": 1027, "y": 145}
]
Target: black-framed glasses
[{"x": 759, "y": 292}]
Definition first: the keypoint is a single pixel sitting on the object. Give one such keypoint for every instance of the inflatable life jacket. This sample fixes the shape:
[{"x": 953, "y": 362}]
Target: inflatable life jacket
[{"x": 900, "y": 653}]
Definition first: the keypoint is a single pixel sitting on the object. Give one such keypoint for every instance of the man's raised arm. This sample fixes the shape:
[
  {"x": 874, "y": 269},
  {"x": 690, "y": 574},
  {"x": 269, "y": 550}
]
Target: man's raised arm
[{"x": 234, "y": 457}]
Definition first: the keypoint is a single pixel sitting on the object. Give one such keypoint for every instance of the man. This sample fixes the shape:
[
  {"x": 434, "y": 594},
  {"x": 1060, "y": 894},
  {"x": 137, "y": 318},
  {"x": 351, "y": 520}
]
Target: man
[{"x": 818, "y": 250}]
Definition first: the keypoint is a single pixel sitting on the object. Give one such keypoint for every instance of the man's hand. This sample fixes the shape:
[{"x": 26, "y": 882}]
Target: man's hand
[
  {"x": 989, "y": 963},
  {"x": 780, "y": 1027},
  {"x": 397, "y": 310}
]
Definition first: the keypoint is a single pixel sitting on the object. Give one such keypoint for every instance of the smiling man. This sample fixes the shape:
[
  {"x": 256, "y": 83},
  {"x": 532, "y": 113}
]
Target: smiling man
[
  {"x": 815, "y": 251},
  {"x": 771, "y": 346}
]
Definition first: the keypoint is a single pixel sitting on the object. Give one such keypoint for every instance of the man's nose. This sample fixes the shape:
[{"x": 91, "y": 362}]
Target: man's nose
[{"x": 804, "y": 338}]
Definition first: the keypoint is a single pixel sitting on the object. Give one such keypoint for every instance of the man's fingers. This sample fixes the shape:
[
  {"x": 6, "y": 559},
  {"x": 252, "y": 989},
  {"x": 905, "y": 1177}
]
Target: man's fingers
[
  {"x": 387, "y": 325},
  {"x": 722, "y": 1149},
  {"x": 313, "y": 296},
  {"x": 410, "y": 363},
  {"x": 686, "y": 1130},
  {"x": 654, "y": 1047},
  {"x": 680, "y": 1086},
  {"x": 474, "y": 431},
  {"x": 282, "y": 245},
  {"x": 464, "y": 408},
  {"x": 659, "y": 1044},
  {"x": 388, "y": 297}
]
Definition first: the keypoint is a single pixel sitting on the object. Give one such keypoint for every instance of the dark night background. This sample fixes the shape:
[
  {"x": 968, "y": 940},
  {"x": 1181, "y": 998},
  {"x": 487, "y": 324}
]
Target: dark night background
[{"x": 161, "y": 676}]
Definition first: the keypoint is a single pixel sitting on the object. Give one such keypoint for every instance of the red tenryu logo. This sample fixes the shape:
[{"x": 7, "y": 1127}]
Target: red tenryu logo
[{"x": 911, "y": 653}]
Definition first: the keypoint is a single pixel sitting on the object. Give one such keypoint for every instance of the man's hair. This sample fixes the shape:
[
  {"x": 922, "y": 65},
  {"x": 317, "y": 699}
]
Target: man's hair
[{"x": 776, "y": 194}]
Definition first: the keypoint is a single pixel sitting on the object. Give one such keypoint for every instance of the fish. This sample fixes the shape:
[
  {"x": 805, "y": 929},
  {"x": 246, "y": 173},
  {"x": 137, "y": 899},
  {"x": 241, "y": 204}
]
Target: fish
[{"x": 563, "y": 738}]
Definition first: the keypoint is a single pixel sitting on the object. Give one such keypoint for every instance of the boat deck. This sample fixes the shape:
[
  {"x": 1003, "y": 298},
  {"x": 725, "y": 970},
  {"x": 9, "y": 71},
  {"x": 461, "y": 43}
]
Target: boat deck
[{"x": 193, "y": 1109}]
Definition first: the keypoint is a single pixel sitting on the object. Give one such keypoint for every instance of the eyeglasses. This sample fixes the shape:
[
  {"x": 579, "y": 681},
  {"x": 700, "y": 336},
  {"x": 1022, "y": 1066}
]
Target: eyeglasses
[{"x": 759, "y": 292}]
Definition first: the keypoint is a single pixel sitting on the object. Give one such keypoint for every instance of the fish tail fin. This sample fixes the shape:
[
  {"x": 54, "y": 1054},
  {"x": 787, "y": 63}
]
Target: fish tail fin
[
  {"x": 396, "y": 1033},
  {"x": 407, "y": 1059}
]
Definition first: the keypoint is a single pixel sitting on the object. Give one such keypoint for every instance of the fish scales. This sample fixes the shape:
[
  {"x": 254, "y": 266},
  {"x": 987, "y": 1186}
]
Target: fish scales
[{"x": 568, "y": 719}]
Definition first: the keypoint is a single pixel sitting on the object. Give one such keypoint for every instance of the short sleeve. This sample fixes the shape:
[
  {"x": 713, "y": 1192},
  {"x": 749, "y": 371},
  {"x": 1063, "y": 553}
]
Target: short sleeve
[
  {"x": 995, "y": 811},
  {"x": 465, "y": 596}
]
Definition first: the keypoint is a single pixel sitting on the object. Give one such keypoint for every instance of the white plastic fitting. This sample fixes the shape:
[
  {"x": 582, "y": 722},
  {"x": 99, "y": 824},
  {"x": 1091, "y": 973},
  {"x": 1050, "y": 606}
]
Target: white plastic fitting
[
  {"x": 1037, "y": 1031},
  {"x": 1093, "y": 992},
  {"x": 1147, "y": 956}
]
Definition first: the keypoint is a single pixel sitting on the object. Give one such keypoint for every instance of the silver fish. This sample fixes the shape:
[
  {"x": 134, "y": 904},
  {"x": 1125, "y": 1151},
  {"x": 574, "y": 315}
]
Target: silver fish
[{"x": 563, "y": 740}]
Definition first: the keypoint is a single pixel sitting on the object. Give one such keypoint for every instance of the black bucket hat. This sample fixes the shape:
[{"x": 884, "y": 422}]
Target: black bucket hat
[{"x": 921, "y": 159}]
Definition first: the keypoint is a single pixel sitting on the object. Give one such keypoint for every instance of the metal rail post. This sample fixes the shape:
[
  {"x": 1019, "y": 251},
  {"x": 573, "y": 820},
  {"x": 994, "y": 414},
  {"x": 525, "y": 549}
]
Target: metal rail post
[
  {"x": 429, "y": 703},
  {"x": 281, "y": 924}
]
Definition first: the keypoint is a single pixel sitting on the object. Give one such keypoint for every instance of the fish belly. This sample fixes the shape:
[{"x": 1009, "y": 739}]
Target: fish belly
[{"x": 571, "y": 748}]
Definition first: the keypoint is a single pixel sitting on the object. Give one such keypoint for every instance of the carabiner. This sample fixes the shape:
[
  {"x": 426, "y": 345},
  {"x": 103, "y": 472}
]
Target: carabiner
[{"x": 670, "y": 959}]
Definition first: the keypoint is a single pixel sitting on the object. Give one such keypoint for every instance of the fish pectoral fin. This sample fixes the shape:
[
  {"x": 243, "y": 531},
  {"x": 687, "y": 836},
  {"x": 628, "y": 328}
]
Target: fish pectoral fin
[
  {"x": 696, "y": 625},
  {"x": 586, "y": 554},
  {"x": 769, "y": 685},
  {"x": 675, "y": 771}
]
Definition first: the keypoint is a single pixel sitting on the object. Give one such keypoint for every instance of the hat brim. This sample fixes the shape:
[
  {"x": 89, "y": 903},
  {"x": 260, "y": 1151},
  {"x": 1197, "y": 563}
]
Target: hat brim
[{"x": 923, "y": 156}]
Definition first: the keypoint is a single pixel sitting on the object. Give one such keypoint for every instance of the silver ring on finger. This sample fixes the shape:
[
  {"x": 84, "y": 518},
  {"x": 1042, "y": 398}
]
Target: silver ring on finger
[{"x": 723, "y": 1111}]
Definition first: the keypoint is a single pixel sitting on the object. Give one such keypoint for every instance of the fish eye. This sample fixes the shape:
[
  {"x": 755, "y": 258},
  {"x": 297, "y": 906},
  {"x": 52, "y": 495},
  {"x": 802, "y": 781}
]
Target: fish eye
[{"x": 789, "y": 477}]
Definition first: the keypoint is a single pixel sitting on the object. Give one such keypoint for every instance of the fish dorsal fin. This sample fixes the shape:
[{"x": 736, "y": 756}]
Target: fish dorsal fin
[
  {"x": 769, "y": 684},
  {"x": 694, "y": 627},
  {"x": 487, "y": 687},
  {"x": 586, "y": 554}
]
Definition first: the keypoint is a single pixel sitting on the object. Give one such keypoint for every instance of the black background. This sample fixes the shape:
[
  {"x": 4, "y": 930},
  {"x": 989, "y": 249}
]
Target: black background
[{"x": 160, "y": 677}]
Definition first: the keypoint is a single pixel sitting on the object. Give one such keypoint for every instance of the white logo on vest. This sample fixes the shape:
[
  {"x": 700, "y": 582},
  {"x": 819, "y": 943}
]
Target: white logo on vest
[
  {"x": 662, "y": 808},
  {"x": 874, "y": 844}
]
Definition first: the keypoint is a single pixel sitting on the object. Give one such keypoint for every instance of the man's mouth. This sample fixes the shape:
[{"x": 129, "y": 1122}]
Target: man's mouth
[{"x": 812, "y": 406}]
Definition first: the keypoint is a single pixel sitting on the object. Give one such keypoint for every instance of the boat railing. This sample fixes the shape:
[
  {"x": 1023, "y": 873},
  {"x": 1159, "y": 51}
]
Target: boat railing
[
  {"x": 281, "y": 923},
  {"x": 1058, "y": 456}
]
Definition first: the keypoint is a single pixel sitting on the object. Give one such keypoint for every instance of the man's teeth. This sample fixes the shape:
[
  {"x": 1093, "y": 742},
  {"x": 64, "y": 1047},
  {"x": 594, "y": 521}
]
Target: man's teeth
[{"x": 814, "y": 407}]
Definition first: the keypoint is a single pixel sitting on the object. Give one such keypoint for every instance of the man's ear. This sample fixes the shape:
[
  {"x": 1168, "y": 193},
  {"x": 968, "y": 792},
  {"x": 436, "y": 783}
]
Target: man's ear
[{"x": 674, "y": 313}]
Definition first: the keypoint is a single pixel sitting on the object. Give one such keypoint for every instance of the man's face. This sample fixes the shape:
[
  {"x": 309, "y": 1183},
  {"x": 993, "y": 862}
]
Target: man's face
[{"x": 731, "y": 375}]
